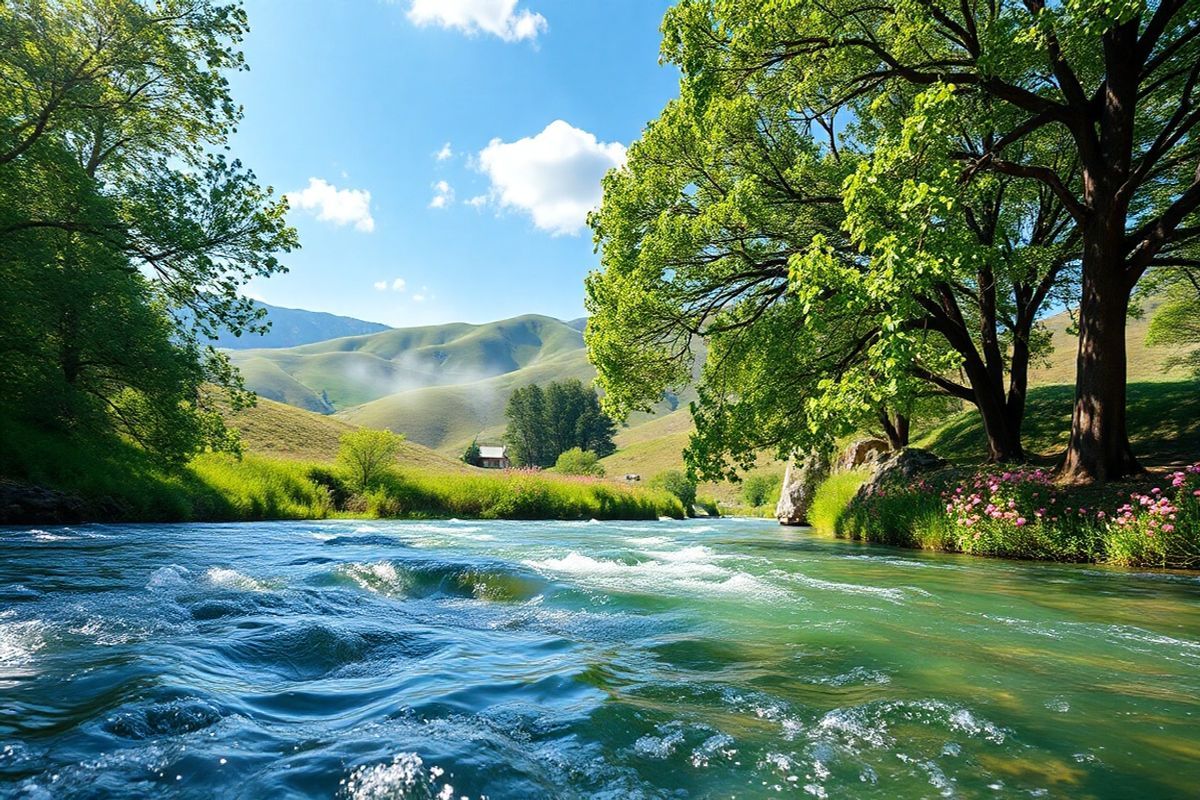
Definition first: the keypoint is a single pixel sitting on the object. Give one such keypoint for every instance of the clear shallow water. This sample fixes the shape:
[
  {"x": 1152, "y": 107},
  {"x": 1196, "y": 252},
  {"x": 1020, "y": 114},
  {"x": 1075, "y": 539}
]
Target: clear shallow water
[{"x": 615, "y": 660}]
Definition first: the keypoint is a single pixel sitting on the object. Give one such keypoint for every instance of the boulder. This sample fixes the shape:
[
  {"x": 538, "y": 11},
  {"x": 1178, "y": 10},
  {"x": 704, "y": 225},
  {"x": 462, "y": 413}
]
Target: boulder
[
  {"x": 800, "y": 483},
  {"x": 899, "y": 468},
  {"x": 861, "y": 452}
]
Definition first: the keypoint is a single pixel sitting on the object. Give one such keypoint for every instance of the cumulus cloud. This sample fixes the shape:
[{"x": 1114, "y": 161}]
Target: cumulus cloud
[
  {"x": 500, "y": 18},
  {"x": 443, "y": 195},
  {"x": 553, "y": 176},
  {"x": 397, "y": 285},
  {"x": 331, "y": 204},
  {"x": 445, "y": 153},
  {"x": 478, "y": 201}
]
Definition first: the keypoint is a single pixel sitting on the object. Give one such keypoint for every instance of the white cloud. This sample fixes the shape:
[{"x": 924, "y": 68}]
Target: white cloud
[
  {"x": 445, "y": 153},
  {"x": 554, "y": 176},
  {"x": 397, "y": 285},
  {"x": 331, "y": 204},
  {"x": 418, "y": 298},
  {"x": 478, "y": 201},
  {"x": 500, "y": 18},
  {"x": 443, "y": 195}
]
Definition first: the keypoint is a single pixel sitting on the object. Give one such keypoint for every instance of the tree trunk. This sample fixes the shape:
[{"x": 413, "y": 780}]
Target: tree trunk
[
  {"x": 1004, "y": 443},
  {"x": 895, "y": 429},
  {"x": 1099, "y": 448}
]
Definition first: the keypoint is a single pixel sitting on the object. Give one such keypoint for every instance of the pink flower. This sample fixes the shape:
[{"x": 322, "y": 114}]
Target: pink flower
[{"x": 1020, "y": 522}]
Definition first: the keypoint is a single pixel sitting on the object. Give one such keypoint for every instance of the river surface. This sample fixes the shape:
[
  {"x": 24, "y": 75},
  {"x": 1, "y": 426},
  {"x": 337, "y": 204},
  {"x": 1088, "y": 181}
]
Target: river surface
[{"x": 725, "y": 658}]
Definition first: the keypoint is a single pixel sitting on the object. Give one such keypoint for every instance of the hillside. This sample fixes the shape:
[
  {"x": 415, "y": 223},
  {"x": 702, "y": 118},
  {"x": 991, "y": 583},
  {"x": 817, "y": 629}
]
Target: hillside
[
  {"x": 279, "y": 430},
  {"x": 441, "y": 385},
  {"x": 295, "y": 326}
]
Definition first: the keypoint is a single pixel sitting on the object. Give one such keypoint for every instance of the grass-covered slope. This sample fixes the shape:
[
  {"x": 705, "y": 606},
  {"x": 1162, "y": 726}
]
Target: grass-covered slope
[
  {"x": 281, "y": 431},
  {"x": 1164, "y": 425},
  {"x": 355, "y": 370}
]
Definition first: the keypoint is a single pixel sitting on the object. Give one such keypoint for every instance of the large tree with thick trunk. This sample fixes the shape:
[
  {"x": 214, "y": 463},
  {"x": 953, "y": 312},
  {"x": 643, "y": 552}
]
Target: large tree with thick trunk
[
  {"x": 1117, "y": 82},
  {"x": 833, "y": 288}
]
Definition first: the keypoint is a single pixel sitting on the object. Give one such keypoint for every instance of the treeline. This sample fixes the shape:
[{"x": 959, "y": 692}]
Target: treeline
[
  {"x": 544, "y": 423},
  {"x": 867, "y": 209},
  {"x": 125, "y": 228}
]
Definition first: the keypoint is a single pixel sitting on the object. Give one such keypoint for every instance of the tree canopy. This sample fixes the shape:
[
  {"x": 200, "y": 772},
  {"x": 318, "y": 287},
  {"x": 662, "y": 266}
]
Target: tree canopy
[
  {"x": 125, "y": 229},
  {"x": 545, "y": 422},
  {"x": 857, "y": 203}
]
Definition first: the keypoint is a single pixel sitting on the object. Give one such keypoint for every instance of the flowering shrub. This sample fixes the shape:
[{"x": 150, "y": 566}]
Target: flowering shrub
[
  {"x": 1160, "y": 527},
  {"x": 1022, "y": 513}
]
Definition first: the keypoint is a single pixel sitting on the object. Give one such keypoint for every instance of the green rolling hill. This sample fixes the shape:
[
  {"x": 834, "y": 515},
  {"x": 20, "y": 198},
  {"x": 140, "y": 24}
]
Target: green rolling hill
[{"x": 440, "y": 385}]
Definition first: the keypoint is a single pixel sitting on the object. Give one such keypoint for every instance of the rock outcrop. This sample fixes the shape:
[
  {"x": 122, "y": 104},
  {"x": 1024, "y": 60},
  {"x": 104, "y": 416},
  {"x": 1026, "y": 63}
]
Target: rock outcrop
[
  {"x": 22, "y": 504},
  {"x": 800, "y": 483},
  {"x": 861, "y": 452},
  {"x": 899, "y": 468}
]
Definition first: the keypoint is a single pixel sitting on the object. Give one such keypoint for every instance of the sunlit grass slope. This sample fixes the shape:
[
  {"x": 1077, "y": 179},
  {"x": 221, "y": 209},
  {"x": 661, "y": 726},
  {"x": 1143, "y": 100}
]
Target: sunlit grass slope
[{"x": 278, "y": 430}]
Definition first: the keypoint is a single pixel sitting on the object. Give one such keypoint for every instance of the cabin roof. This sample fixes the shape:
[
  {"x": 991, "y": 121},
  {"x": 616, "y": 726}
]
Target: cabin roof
[{"x": 492, "y": 451}]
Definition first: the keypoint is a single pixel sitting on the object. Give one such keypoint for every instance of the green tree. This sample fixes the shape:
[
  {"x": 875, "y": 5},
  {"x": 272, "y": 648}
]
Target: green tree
[
  {"x": 1114, "y": 86},
  {"x": 758, "y": 490},
  {"x": 471, "y": 455},
  {"x": 366, "y": 455},
  {"x": 527, "y": 435},
  {"x": 579, "y": 462},
  {"x": 545, "y": 422},
  {"x": 731, "y": 224},
  {"x": 125, "y": 233},
  {"x": 678, "y": 484},
  {"x": 1177, "y": 321}
]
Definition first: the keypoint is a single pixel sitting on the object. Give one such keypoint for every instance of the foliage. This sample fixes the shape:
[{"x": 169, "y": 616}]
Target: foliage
[
  {"x": 1177, "y": 321},
  {"x": 759, "y": 490},
  {"x": 1024, "y": 514},
  {"x": 545, "y": 422},
  {"x": 118, "y": 213},
  {"x": 366, "y": 455},
  {"x": 678, "y": 484},
  {"x": 831, "y": 499},
  {"x": 472, "y": 455},
  {"x": 579, "y": 462}
]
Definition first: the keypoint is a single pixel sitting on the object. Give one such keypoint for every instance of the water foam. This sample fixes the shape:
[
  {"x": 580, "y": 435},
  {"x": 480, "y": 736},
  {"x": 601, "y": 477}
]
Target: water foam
[
  {"x": 232, "y": 579},
  {"x": 689, "y": 570}
]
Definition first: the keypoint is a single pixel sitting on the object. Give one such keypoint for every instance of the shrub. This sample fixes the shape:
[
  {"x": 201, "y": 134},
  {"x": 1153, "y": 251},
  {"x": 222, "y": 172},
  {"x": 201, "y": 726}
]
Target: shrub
[
  {"x": 678, "y": 484},
  {"x": 578, "y": 461},
  {"x": 759, "y": 490},
  {"x": 365, "y": 456}
]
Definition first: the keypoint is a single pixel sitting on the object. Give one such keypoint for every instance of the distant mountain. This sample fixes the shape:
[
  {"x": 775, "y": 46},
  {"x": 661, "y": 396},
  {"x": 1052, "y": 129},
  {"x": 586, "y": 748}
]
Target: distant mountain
[{"x": 293, "y": 326}]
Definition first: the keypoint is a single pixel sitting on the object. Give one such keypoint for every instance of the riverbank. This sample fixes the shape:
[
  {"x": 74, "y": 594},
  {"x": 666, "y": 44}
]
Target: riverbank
[
  {"x": 1153, "y": 521},
  {"x": 49, "y": 480}
]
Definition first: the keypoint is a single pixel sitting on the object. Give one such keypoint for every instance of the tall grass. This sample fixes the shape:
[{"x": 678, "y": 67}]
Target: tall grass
[
  {"x": 517, "y": 495},
  {"x": 117, "y": 481},
  {"x": 831, "y": 498}
]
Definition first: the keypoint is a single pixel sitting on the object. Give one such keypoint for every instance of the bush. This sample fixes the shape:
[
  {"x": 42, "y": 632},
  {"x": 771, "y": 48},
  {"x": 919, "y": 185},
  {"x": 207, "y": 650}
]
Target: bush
[
  {"x": 577, "y": 461},
  {"x": 366, "y": 455},
  {"x": 1024, "y": 514},
  {"x": 759, "y": 490},
  {"x": 678, "y": 484}
]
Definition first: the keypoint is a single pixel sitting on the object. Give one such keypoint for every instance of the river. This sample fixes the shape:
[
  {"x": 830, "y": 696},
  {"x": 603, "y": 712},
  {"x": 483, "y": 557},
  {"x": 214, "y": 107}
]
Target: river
[{"x": 722, "y": 658}]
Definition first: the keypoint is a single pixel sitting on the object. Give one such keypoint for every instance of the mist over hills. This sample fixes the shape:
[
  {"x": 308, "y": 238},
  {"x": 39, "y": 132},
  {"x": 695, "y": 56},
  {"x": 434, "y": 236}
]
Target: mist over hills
[{"x": 440, "y": 385}]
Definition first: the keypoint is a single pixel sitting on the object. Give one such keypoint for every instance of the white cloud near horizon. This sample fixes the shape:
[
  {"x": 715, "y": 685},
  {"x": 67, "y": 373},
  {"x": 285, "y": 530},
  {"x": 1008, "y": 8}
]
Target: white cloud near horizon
[
  {"x": 331, "y": 204},
  {"x": 443, "y": 195},
  {"x": 500, "y": 18},
  {"x": 397, "y": 285},
  {"x": 553, "y": 176}
]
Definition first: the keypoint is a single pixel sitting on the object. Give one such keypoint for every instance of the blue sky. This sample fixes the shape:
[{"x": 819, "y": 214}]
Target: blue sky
[{"x": 479, "y": 129}]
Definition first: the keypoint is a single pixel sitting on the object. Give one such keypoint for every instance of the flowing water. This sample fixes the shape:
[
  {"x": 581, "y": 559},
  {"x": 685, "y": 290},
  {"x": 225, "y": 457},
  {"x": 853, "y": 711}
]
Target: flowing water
[{"x": 725, "y": 658}]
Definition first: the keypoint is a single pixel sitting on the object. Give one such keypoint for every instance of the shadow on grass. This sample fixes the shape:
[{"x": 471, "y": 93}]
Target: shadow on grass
[{"x": 1164, "y": 425}]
